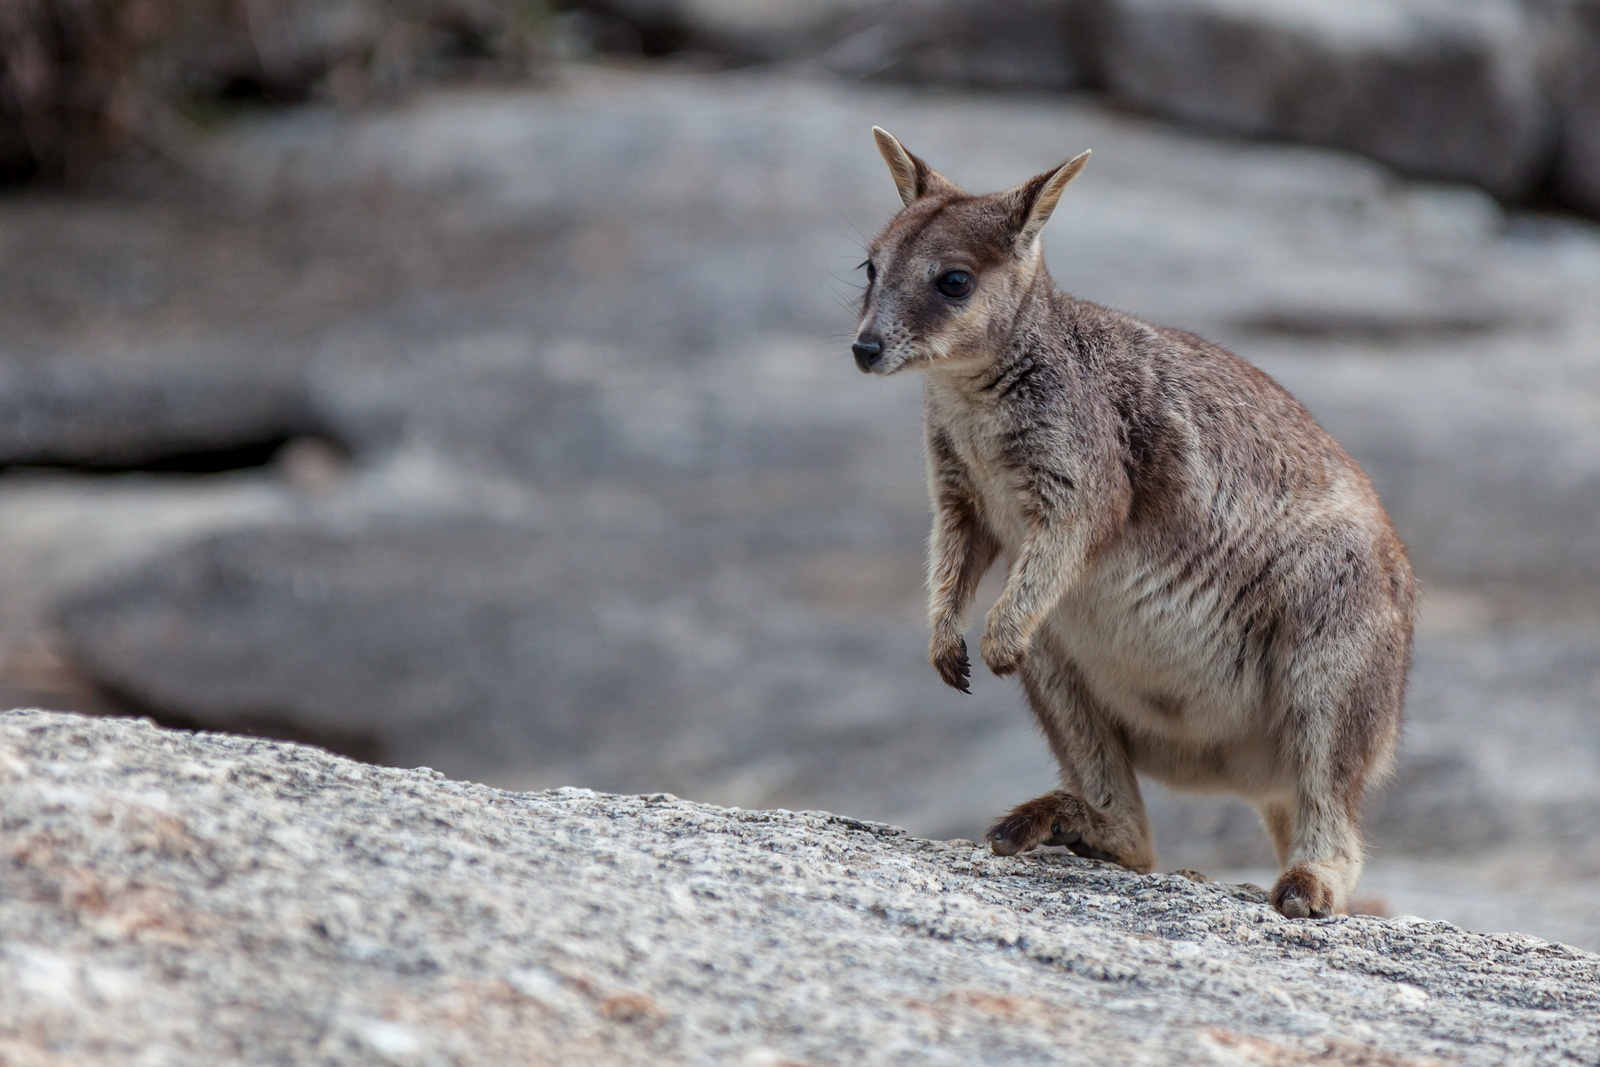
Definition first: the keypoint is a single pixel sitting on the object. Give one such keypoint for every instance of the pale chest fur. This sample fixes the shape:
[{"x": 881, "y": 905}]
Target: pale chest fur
[{"x": 977, "y": 431}]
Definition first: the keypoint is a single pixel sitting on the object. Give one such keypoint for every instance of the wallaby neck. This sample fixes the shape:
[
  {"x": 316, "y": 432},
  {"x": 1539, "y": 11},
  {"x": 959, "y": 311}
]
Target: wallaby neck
[{"x": 970, "y": 373}]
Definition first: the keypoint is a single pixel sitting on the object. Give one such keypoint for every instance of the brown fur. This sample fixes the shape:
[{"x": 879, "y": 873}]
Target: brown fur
[
  {"x": 1300, "y": 894},
  {"x": 1201, "y": 584}
]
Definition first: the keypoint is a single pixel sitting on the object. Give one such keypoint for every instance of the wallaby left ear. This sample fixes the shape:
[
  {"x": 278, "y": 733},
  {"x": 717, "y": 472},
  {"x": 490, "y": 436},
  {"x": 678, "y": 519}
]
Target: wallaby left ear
[
  {"x": 1038, "y": 196},
  {"x": 912, "y": 177}
]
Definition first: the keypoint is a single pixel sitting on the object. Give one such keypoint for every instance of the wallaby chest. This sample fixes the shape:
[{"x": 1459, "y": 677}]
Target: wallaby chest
[
  {"x": 978, "y": 429},
  {"x": 1148, "y": 648}
]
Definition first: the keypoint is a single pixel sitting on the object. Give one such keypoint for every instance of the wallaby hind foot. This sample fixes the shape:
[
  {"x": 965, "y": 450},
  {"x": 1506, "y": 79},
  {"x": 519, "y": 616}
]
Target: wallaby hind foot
[
  {"x": 1057, "y": 818},
  {"x": 1300, "y": 894}
]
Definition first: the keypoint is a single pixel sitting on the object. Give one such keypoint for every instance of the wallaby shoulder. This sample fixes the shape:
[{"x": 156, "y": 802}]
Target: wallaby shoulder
[
  {"x": 1131, "y": 412},
  {"x": 1035, "y": 430}
]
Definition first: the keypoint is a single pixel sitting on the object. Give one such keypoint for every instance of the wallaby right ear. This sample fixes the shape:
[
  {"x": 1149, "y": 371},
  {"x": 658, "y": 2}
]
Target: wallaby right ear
[
  {"x": 911, "y": 175},
  {"x": 1036, "y": 198}
]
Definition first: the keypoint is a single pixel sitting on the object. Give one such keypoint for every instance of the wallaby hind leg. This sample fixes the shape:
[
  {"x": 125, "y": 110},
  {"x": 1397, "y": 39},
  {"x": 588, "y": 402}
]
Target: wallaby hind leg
[
  {"x": 1348, "y": 666},
  {"x": 1098, "y": 812},
  {"x": 1278, "y": 817},
  {"x": 1323, "y": 857},
  {"x": 1324, "y": 861}
]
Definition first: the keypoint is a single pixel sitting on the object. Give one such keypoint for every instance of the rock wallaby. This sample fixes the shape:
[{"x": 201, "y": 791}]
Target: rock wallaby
[{"x": 1201, "y": 585}]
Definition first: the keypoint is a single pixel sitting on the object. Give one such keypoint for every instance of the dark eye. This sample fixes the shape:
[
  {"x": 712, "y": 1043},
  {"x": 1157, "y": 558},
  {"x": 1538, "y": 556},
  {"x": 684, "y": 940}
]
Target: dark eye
[
  {"x": 955, "y": 283},
  {"x": 872, "y": 272}
]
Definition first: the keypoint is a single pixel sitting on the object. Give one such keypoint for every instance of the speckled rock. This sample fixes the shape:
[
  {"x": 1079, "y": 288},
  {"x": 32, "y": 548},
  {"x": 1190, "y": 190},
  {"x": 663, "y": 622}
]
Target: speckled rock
[
  {"x": 1449, "y": 90},
  {"x": 200, "y": 899}
]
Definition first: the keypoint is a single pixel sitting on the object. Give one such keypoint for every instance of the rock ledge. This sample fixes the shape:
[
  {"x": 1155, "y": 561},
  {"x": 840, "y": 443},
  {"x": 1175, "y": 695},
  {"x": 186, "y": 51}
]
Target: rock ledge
[{"x": 204, "y": 899}]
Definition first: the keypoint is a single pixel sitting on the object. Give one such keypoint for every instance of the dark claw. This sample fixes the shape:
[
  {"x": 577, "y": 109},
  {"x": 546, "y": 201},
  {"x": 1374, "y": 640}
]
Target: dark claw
[{"x": 957, "y": 673}]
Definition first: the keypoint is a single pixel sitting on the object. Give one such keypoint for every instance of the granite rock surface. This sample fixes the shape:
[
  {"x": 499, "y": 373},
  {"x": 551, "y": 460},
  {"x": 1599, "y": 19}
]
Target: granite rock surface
[
  {"x": 1495, "y": 92},
  {"x": 1438, "y": 89},
  {"x": 202, "y": 899}
]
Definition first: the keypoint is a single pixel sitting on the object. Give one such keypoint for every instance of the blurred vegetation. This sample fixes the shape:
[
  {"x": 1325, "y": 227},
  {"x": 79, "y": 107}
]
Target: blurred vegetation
[{"x": 83, "y": 82}]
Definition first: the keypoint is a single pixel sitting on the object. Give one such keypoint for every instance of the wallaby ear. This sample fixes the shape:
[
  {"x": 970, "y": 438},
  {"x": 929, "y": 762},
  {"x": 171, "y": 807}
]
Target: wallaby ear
[
  {"x": 911, "y": 175},
  {"x": 1038, "y": 196}
]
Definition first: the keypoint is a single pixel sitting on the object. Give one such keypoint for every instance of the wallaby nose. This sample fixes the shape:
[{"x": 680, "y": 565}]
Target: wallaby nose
[{"x": 867, "y": 350}]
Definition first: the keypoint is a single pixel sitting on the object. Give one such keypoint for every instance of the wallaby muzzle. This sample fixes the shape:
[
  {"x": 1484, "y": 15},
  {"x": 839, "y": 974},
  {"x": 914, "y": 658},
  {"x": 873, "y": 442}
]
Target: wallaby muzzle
[{"x": 868, "y": 351}]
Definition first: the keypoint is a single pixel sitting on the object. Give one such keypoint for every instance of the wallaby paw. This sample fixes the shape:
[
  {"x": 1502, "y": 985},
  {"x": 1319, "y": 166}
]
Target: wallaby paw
[
  {"x": 1052, "y": 819},
  {"x": 1300, "y": 894},
  {"x": 953, "y": 665},
  {"x": 1003, "y": 652}
]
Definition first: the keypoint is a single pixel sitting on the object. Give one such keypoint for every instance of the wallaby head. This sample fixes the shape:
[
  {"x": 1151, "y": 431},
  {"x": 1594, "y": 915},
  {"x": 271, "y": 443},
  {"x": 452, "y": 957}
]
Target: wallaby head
[{"x": 949, "y": 275}]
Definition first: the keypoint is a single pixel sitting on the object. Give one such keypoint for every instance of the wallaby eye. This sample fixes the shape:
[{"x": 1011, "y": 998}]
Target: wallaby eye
[
  {"x": 872, "y": 272},
  {"x": 955, "y": 283}
]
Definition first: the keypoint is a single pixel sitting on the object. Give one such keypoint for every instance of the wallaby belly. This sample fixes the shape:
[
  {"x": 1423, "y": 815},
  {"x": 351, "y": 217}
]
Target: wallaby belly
[{"x": 1166, "y": 670}]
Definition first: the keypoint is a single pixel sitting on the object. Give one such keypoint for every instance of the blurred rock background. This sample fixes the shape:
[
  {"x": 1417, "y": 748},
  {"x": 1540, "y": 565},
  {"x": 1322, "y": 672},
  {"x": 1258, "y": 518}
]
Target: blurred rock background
[{"x": 466, "y": 384}]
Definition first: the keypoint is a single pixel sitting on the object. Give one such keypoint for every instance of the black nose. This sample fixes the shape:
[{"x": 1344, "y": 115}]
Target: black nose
[{"x": 867, "y": 350}]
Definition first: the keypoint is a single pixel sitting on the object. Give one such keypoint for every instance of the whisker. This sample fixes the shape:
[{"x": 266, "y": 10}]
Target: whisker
[
  {"x": 845, "y": 303},
  {"x": 865, "y": 240},
  {"x": 849, "y": 283},
  {"x": 847, "y": 292}
]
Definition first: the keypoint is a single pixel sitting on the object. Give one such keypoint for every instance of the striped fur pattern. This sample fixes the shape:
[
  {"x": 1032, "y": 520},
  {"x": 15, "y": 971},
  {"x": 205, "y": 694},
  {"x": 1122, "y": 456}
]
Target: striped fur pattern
[{"x": 1201, "y": 585}]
